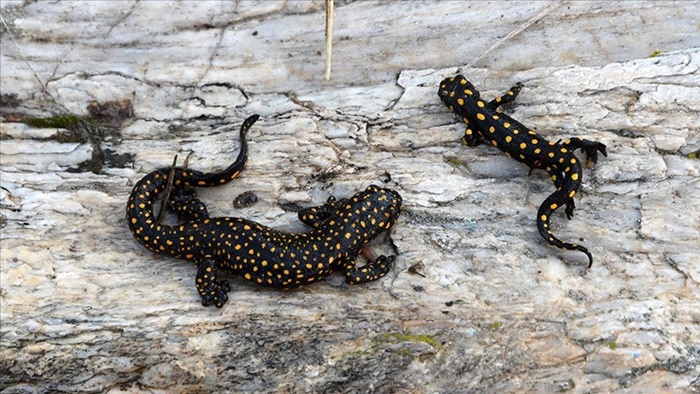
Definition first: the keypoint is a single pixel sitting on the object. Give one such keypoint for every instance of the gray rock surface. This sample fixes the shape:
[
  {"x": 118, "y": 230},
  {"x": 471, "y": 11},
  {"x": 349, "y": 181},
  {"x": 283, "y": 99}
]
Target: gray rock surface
[{"x": 477, "y": 301}]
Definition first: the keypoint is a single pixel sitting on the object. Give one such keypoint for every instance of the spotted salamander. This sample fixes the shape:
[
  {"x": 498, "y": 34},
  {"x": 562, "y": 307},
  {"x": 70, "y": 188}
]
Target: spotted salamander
[
  {"x": 339, "y": 231},
  {"x": 484, "y": 122}
]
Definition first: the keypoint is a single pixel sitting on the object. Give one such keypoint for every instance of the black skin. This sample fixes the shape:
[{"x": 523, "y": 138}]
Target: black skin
[
  {"x": 485, "y": 123},
  {"x": 339, "y": 231}
]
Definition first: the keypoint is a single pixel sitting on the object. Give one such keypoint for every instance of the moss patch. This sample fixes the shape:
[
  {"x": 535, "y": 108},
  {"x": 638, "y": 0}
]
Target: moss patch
[
  {"x": 380, "y": 343},
  {"x": 103, "y": 122},
  {"x": 69, "y": 121},
  {"x": 455, "y": 162},
  {"x": 409, "y": 337}
]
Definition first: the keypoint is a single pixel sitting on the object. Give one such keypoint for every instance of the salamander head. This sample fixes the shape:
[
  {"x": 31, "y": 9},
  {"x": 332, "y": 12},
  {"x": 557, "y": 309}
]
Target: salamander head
[
  {"x": 455, "y": 88},
  {"x": 370, "y": 212}
]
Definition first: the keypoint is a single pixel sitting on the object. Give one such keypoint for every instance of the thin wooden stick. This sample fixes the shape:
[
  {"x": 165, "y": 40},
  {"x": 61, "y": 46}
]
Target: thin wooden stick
[
  {"x": 329, "y": 37},
  {"x": 168, "y": 189}
]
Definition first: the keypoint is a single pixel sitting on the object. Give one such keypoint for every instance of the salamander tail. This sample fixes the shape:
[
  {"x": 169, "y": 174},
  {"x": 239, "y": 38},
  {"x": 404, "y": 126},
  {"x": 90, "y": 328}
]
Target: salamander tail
[
  {"x": 232, "y": 171},
  {"x": 544, "y": 213}
]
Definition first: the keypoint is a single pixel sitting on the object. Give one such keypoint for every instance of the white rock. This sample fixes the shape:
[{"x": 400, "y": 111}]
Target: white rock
[{"x": 476, "y": 302}]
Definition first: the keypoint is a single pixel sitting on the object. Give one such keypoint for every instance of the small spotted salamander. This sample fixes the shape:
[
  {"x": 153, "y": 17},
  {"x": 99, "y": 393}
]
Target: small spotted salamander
[
  {"x": 484, "y": 122},
  {"x": 340, "y": 229}
]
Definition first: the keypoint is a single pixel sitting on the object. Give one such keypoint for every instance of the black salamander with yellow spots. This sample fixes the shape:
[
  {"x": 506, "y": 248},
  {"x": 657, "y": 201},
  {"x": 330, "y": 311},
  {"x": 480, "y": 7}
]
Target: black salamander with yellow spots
[
  {"x": 340, "y": 229},
  {"x": 484, "y": 122}
]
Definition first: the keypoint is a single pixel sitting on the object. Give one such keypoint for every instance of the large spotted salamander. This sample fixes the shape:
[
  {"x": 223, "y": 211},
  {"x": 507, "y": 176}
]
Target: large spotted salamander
[{"x": 340, "y": 229}]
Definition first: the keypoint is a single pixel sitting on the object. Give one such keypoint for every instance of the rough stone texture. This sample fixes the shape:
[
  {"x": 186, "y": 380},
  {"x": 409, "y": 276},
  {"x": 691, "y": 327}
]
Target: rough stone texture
[{"x": 477, "y": 301}]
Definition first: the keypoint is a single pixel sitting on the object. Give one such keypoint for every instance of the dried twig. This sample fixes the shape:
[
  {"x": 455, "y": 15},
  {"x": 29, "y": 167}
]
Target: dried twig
[
  {"x": 168, "y": 188},
  {"x": 329, "y": 37}
]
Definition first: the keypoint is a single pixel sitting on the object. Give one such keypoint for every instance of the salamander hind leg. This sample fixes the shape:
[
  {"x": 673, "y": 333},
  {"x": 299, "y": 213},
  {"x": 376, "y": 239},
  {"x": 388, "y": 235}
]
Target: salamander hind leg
[
  {"x": 569, "y": 210},
  {"x": 570, "y": 186},
  {"x": 187, "y": 207},
  {"x": 316, "y": 216},
  {"x": 591, "y": 148},
  {"x": 371, "y": 271},
  {"x": 213, "y": 292}
]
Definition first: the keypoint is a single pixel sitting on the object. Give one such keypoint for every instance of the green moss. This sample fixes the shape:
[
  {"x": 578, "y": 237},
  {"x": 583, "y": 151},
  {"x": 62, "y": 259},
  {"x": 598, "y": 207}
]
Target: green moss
[
  {"x": 103, "y": 123},
  {"x": 612, "y": 345},
  {"x": 655, "y": 53},
  {"x": 455, "y": 162},
  {"x": 82, "y": 130},
  {"x": 496, "y": 325},
  {"x": 59, "y": 122},
  {"x": 693, "y": 155},
  {"x": 378, "y": 345},
  {"x": 409, "y": 337}
]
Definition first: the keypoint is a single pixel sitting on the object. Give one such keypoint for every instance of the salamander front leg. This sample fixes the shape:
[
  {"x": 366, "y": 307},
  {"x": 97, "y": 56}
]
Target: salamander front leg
[
  {"x": 371, "y": 271},
  {"x": 471, "y": 137},
  {"x": 212, "y": 291},
  {"x": 508, "y": 97}
]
